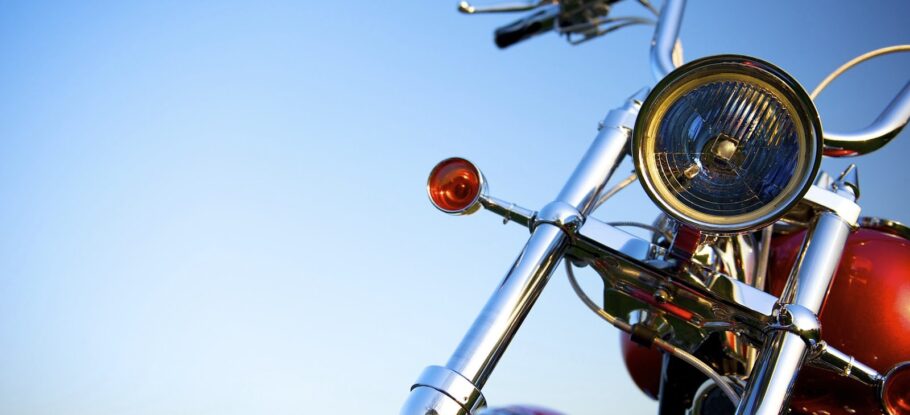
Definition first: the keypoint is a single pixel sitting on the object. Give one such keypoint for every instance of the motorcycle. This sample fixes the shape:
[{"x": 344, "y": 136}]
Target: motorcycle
[{"x": 721, "y": 308}]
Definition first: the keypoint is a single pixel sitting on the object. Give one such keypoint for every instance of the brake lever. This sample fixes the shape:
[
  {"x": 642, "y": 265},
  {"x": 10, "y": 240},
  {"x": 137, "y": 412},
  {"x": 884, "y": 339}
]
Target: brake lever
[{"x": 466, "y": 7}]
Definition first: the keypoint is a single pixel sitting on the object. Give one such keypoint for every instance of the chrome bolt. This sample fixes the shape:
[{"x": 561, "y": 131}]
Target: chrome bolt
[{"x": 662, "y": 296}]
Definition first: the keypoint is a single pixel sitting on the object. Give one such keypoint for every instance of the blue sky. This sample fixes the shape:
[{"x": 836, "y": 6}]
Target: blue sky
[{"x": 218, "y": 207}]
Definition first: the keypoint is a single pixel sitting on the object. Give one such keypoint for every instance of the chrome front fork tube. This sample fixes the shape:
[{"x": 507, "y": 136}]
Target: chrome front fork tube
[
  {"x": 797, "y": 332},
  {"x": 455, "y": 389}
]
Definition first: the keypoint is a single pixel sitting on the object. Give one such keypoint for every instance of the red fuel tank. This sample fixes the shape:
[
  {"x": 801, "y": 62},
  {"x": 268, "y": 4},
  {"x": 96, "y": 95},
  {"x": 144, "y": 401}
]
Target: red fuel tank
[{"x": 866, "y": 315}]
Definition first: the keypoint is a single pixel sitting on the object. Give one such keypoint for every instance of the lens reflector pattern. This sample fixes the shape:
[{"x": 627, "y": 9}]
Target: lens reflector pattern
[{"x": 727, "y": 148}]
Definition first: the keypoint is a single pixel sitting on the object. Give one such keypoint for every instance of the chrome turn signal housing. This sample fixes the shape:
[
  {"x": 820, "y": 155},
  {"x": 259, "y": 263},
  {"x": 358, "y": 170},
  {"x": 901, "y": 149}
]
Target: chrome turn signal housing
[
  {"x": 455, "y": 186},
  {"x": 895, "y": 390},
  {"x": 727, "y": 144}
]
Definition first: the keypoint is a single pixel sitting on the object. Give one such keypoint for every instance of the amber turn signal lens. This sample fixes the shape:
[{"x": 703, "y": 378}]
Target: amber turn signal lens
[
  {"x": 896, "y": 390},
  {"x": 455, "y": 186}
]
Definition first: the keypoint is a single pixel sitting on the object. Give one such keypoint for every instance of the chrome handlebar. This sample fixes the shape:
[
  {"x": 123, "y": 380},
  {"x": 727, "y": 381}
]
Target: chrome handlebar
[
  {"x": 888, "y": 125},
  {"x": 666, "y": 36}
]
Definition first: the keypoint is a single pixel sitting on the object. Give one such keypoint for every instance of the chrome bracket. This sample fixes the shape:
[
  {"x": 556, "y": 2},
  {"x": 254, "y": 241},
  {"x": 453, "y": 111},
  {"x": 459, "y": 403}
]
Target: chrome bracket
[
  {"x": 622, "y": 118},
  {"x": 562, "y": 215},
  {"x": 818, "y": 198},
  {"x": 829, "y": 358},
  {"x": 802, "y": 322},
  {"x": 509, "y": 211},
  {"x": 845, "y": 369}
]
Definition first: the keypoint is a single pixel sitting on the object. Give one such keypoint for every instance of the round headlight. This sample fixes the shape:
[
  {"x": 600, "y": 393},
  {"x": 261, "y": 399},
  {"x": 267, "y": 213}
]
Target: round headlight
[{"x": 727, "y": 144}]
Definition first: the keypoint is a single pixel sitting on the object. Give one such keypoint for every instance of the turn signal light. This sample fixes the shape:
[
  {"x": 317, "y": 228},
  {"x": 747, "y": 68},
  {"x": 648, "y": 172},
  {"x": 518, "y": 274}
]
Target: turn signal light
[
  {"x": 896, "y": 390},
  {"x": 455, "y": 186}
]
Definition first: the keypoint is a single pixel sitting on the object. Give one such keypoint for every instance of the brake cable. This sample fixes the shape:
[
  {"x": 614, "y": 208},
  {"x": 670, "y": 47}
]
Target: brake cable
[{"x": 855, "y": 61}]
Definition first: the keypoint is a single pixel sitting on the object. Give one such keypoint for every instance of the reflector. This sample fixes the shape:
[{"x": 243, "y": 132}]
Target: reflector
[
  {"x": 727, "y": 144},
  {"x": 455, "y": 186}
]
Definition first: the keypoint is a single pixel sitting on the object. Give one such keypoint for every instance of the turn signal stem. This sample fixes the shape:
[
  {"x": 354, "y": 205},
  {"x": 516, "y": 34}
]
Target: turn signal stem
[{"x": 509, "y": 211}]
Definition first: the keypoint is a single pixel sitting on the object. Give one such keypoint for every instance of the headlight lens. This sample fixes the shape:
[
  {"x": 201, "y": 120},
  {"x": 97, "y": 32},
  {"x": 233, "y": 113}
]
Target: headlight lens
[{"x": 727, "y": 143}]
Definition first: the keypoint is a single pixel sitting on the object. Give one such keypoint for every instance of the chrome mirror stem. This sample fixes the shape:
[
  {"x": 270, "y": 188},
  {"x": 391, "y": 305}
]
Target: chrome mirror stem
[{"x": 455, "y": 388}]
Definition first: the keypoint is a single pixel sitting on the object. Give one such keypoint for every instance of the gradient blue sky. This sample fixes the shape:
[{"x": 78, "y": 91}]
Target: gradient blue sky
[{"x": 218, "y": 207}]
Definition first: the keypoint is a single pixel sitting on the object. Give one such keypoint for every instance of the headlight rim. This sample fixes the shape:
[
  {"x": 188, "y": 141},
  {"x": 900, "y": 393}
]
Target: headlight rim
[{"x": 784, "y": 87}]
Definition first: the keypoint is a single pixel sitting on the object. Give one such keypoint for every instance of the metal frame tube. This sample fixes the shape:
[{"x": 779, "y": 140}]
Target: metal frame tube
[{"x": 784, "y": 352}]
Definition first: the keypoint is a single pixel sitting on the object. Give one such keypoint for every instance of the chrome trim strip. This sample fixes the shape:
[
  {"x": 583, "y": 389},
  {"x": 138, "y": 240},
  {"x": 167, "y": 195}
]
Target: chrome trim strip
[
  {"x": 888, "y": 226},
  {"x": 452, "y": 384}
]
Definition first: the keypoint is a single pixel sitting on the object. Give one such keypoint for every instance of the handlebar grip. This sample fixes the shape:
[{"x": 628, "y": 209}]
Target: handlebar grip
[
  {"x": 510, "y": 35},
  {"x": 539, "y": 22}
]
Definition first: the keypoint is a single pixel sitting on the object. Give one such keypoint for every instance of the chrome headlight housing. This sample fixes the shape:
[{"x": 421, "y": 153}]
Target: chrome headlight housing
[{"x": 727, "y": 144}]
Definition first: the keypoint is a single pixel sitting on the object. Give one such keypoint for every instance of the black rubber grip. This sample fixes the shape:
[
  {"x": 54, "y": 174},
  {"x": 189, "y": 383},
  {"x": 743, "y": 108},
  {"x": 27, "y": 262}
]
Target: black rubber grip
[
  {"x": 534, "y": 24},
  {"x": 514, "y": 33}
]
